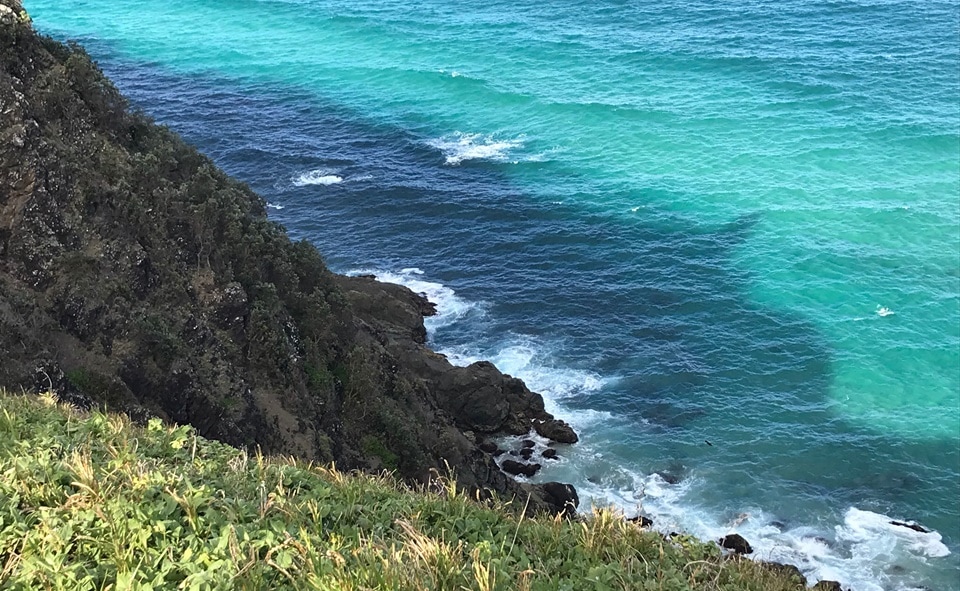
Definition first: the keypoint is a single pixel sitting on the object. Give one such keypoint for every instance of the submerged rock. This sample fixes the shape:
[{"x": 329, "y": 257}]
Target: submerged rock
[
  {"x": 550, "y": 454},
  {"x": 669, "y": 477}
]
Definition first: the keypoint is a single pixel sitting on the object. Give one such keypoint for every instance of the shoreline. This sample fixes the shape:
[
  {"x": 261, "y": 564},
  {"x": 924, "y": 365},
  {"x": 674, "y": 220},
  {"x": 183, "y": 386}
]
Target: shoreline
[{"x": 772, "y": 541}]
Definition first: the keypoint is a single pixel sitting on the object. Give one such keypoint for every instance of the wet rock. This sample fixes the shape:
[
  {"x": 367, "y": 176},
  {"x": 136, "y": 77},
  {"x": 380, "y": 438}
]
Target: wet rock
[
  {"x": 669, "y": 477},
  {"x": 519, "y": 469},
  {"x": 556, "y": 430},
  {"x": 641, "y": 521},
  {"x": 526, "y": 452},
  {"x": 737, "y": 543},
  {"x": 527, "y": 443},
  {"x": 911, "y": 525},
  {"x": 550, "y": 454},
  {"x": 561, "y": 496},
  {"x": 827, "y": 586}
]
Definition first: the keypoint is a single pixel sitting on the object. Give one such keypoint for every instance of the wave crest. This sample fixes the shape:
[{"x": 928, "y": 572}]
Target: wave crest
[
  {"x": 459, "y": 147},
  {"x": 321, "y": 176}
]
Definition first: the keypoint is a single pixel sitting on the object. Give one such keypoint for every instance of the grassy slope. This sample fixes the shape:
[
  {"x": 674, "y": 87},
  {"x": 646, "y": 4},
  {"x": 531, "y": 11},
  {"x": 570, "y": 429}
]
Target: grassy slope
[{"x": 90, "y": 501}]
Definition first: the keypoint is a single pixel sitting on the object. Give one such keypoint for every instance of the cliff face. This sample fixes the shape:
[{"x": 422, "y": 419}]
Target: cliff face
[{"x": 135, "y": 274}]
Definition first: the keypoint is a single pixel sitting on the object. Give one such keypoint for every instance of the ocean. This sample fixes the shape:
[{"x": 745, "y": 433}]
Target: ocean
[{"x": 722, "y": 238}]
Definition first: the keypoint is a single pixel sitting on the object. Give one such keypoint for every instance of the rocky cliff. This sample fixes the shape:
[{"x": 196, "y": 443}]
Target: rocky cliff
[{"x": 136, "y": 275}]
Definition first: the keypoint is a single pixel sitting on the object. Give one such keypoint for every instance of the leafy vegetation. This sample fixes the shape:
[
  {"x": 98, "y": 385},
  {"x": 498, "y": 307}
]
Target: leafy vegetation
[{"x": 91, "y": 501}]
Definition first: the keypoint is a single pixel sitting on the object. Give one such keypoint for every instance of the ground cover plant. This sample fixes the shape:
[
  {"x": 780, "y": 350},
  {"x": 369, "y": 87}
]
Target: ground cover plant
[{"x": 91, "y": 501}]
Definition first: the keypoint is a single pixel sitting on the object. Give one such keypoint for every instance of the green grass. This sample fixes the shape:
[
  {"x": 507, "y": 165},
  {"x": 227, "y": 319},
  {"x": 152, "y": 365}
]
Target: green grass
[{"x": 90, "y": 501}]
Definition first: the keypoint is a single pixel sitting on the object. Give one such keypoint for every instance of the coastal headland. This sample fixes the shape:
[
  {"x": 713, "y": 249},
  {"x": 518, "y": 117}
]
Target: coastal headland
[{"x": 137, "y": 277}]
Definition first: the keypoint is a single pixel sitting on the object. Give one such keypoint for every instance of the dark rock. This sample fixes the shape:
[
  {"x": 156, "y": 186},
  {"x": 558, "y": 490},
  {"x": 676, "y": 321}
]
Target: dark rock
[
  {"x": 550, "y": 454},
  {"x": 669, "y": 478},
  {"x": 512, "y": 467},
  {"x": 562, "y": 496},
  {"x": 787, "y": 571},
  {"x": 737, "y": 543},
  {"x": 914, "y": 526},
  {"x": 526, "y": 452},
  {"x": 641, "y": 520},
  {"x": 556, "y": 430},
  {"x": 488, "y": 447},
  {"x": 518, "y": 468},
  {"x": 497, "y": 453},
  {"x": 827, "y": 586},
  {"x": 527, "y": 443}
]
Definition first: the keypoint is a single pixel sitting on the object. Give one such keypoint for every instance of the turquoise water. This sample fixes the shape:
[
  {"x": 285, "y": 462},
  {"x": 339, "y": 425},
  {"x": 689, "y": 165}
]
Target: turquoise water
[{"x": 733, "y": 221}]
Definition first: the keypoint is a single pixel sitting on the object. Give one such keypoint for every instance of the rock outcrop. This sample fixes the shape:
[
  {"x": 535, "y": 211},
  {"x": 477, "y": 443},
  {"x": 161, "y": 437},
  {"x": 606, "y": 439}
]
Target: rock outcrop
[
  {"x": 134, "y": 274},
  {"x": 737, "y": 543}
]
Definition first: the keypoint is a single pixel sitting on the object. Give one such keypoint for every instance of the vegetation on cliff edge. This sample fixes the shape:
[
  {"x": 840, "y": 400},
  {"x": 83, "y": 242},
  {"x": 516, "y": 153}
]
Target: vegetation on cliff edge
[{"x": 91, "y": 501}]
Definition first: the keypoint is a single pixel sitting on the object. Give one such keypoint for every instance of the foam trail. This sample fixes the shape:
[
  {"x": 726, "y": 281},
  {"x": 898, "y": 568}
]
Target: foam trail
[
  {"x": 321, "y": 176},
  {"x": 276, "y": 206}
]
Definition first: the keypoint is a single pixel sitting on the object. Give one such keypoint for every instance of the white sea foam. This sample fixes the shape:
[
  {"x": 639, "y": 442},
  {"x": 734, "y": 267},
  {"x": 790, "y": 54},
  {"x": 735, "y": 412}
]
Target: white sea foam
[
  {"x": 884, "y": 311},
  {"x": 459, "y": 147},
  {"x": 320, "y": 176},
  {"x": 274, "y": 206},
  {"x": 860, "y": 552}
]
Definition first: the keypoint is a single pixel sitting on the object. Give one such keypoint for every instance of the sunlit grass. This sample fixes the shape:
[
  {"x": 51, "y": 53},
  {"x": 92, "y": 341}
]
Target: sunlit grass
[{"x": 91, "y": 501}]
